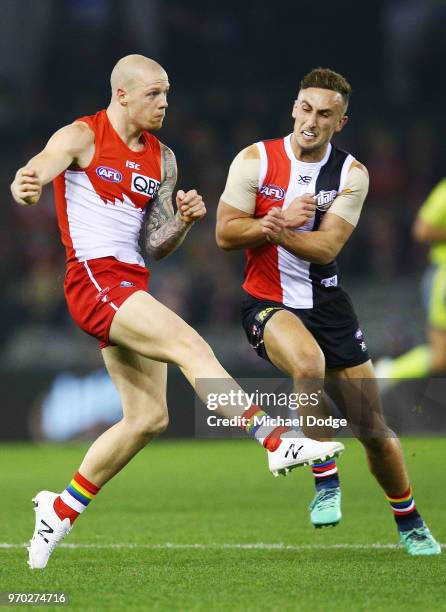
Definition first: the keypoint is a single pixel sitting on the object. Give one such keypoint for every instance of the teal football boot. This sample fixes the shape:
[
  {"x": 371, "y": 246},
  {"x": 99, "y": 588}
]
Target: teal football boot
[
  {"x": 420, "y": 541},
  {"x": 325, "y": 509}
]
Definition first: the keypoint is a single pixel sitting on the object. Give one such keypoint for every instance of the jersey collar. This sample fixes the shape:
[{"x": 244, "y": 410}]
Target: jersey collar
[{"x": 289, "y": 152}]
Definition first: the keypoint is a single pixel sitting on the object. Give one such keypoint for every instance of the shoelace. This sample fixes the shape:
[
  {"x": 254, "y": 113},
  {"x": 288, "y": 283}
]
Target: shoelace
[
  {"x": 419, "y": 536},
  {"x": 55, "y": 540},
  {"x": 326, "y": 498}
]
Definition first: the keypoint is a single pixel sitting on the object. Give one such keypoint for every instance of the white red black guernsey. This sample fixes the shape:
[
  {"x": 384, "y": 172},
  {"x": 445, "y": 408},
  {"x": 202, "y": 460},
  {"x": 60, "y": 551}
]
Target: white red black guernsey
[{"x": 272, "y": 273}]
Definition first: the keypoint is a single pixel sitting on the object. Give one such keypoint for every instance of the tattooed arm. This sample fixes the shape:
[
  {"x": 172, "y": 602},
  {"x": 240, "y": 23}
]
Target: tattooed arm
[{"x": 165, "y": 229}]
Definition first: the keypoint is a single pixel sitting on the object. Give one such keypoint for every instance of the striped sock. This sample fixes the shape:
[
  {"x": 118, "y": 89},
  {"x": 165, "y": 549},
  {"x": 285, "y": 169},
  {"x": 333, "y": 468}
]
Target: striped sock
[
  {"x": 268, "y": 435},
  {"x": 325, "y": 475},
  {"x": 405, "y": 511},
  {"x": 76, "y": 497}
]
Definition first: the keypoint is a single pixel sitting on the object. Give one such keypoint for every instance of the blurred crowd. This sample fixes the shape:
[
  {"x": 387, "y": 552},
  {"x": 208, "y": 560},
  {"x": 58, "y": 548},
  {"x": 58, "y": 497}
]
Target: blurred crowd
[{"x": 235, "y": 70}]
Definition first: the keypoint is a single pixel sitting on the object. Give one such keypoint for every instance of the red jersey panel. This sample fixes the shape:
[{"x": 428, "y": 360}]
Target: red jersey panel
[
  {"x": 100, "y": 208},
  {"x": 262, "y": 276}
]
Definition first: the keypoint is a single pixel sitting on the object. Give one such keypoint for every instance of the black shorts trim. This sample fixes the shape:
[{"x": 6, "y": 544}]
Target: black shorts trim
[{"x": 333, "y": 324}]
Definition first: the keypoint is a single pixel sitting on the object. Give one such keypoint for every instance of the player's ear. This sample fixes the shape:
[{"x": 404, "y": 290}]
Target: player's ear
[
  {"x": 294, "y": 111},
  {"x": 341, "y": 123},
  {"x": 121, "y": 95}
]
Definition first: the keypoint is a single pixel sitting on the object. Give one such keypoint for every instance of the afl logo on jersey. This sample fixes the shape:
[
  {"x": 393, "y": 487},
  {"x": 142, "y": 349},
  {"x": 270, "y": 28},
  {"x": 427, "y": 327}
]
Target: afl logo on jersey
[
  {"x": 109, "y": 174},
  {"x": 324, "y": 199},
  {"x": 273, "y": 192},
  {"x": 144, "y": 185}
]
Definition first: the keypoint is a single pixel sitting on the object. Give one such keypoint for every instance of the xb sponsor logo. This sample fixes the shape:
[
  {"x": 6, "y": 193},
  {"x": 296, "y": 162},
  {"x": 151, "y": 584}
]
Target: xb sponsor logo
[
  {"x": 144, "y": 185},
  {"x": 324, "y": 199},
  {"x": 303, "y": 179},
  {"x": 273, "y": 192},
  {"x": 109, "y": 174}
]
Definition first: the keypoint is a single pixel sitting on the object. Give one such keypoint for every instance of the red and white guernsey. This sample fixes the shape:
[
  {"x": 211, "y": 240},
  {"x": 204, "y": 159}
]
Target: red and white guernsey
[
  {"x": 100, "y": 208},
  {"x": 272, "y": 273}
]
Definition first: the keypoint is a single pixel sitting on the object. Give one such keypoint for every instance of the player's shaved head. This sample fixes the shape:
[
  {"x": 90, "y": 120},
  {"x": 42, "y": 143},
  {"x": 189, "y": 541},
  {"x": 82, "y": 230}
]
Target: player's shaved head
[
  {"x": 131, "y": 69},
  {"x": 139, "y": 94}
]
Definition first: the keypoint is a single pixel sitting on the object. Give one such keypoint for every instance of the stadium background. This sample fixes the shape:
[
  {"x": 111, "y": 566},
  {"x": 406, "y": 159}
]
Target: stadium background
[
  {"x": 196, "y": 524},
  {"x": 234, "y": 70}
]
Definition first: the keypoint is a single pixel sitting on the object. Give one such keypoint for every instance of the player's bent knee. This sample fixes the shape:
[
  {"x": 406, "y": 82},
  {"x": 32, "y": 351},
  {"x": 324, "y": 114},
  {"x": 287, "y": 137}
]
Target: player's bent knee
[
  {"x": 195, "y": 348},
  {"x": 309, "y": 365},
  {"x": 382, "y": 445},
  {"x": 149, "y": 425},
  {"x": 160, "y": 424}
]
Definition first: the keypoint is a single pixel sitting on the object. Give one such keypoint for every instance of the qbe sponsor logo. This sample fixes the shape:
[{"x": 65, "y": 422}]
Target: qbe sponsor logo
[
  {"x": 144, "y": 185},
  {"x": 109, "y": 174}
]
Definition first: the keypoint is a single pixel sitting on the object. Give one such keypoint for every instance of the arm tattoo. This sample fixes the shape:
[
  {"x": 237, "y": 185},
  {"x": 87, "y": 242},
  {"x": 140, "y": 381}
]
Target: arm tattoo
[{"x": 165, "y": 230}]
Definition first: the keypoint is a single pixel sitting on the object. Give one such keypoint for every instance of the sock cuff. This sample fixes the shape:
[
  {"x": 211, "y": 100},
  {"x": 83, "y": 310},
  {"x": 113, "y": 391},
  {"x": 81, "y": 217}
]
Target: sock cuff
[
  {"x": 86, "y": 484},
  {"x": 320, "y": 468},
  {"x": 400, "y": 498},
  {"x": 250, "y": 425},
  {"x": 252, "y": 411}
]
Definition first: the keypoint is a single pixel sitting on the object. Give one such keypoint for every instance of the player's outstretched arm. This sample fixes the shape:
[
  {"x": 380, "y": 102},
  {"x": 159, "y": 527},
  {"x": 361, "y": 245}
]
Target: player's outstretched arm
[
  {"x": 71, "y": 144},
  {"x": 165, "y": 229}
]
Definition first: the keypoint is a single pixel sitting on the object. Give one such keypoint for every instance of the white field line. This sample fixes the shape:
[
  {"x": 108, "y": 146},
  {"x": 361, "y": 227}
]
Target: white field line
[{"x": 256, "y": 546}]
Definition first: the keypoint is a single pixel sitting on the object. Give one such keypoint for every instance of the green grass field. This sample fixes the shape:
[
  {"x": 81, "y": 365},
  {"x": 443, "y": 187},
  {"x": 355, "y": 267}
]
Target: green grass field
[{"x": 177, "y": 530}]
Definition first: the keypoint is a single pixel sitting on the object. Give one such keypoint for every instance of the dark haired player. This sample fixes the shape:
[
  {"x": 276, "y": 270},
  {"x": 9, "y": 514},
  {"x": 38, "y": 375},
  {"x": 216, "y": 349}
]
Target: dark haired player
[{"x": 292, "y": 204}]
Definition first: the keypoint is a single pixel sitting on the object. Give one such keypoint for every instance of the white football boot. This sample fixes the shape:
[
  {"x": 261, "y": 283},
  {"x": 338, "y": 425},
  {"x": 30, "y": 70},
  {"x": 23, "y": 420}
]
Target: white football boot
[
  {"x": 48, "y": 532},
  {"x": 294, "y": 452}
]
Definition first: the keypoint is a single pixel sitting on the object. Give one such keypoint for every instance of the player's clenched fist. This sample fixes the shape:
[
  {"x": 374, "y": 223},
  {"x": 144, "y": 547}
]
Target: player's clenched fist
[
  {"x": 300, "y": 211},
  {"x": 26, "y": 187},
  {"x": 191, "y": 205},
  {"x": 273, "y": 224}
]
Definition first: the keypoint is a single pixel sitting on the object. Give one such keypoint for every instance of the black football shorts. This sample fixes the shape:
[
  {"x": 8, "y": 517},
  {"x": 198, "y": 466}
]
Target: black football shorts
[{"x": 333, "y": 324}]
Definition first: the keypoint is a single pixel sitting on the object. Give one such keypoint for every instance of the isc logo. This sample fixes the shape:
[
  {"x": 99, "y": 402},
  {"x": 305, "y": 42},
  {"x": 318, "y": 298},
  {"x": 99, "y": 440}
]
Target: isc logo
[
  {"x": 132, "y": 164},
  {"x": 273, "y": 192},
  {"x": 109, "y": 174},
  {"x": 145, "y": 185}
]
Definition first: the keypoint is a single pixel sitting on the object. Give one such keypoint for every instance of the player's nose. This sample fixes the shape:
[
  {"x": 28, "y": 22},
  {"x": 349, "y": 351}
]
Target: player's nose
[{"x": 312, "y": 121}]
